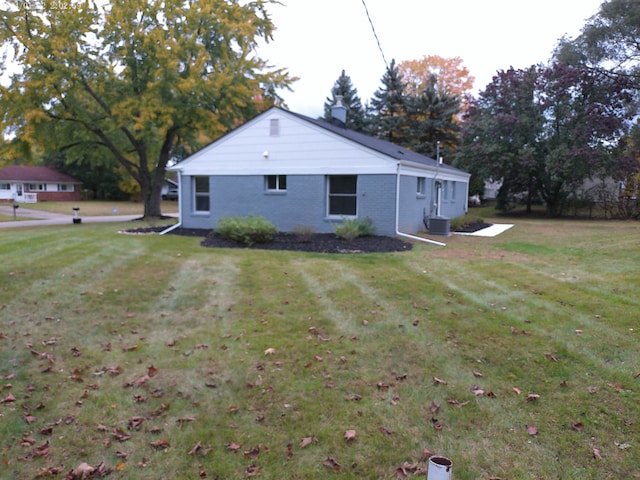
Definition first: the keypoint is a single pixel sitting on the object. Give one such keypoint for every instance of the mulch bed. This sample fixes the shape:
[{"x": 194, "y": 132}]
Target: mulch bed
[
  {"x": 473, "y": 227},
  {"x": 318, "y": 242}
]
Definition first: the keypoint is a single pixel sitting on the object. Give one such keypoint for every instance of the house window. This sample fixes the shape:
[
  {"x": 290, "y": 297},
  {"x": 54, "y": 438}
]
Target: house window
[
  {"x": 64, "y": 187},
  {"x": 275, "y": 183},
  {"x": 201, "y": 194},
  {"x": 274, "y": 127},
  {"x": 453, "y": 191},
  {"x": 342, "y": 195},
  {"x": 36, "y": 187},
  {"x": 445, "y": 190},
  {"x": 5, "y": 186},
  {"x": 421, "y": 186}
]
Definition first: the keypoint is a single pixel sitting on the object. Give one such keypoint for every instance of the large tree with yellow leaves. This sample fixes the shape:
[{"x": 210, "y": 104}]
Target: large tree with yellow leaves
[{"x": 139, "y": 80}]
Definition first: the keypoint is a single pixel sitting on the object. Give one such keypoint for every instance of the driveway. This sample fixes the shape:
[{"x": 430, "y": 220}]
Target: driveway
[{"x": 47, "y": 218}]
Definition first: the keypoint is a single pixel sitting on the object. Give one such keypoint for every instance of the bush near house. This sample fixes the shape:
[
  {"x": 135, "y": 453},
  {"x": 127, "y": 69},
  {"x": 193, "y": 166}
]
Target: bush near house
[
  {"x": 353, "y": 228},
  {"x": 247, "y": 230}
]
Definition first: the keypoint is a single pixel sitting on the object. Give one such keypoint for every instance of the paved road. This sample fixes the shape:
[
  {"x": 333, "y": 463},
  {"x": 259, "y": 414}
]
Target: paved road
[{"x": 48, "y": 218}]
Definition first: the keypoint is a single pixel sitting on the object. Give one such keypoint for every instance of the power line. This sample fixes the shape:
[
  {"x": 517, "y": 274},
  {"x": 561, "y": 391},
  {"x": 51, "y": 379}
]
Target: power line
[{"x": 375, "y": 34}]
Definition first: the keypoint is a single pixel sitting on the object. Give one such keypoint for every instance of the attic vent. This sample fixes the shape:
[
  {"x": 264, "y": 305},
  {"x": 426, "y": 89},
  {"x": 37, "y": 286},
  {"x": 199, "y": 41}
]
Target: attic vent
[{"x": 274, "y": 127}]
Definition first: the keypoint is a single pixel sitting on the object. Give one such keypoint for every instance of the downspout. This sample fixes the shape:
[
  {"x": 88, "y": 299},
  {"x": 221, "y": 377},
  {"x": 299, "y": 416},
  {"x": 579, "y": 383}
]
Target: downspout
[
  {"x": 177, "y": 225},
  {"x": 398, "y": 232},
  {"x": 466, "y": 205}
]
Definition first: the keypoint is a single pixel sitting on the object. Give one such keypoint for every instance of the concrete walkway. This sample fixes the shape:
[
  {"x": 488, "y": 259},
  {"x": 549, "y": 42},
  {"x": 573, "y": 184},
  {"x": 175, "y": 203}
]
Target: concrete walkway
[
  {"x": 47, "y": 218},
  {"x": 492, "y": 231}
]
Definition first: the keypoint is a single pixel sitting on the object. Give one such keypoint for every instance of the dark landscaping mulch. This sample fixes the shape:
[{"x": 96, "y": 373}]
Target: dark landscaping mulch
[
  {"x": 317, "y": 242},
  {"x": 472, "y": 227}
]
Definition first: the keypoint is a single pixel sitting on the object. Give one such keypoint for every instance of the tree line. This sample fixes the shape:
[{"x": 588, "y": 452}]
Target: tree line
[
  {"x": 113, "y": 93},
  {"x": 560, "y": 133}
]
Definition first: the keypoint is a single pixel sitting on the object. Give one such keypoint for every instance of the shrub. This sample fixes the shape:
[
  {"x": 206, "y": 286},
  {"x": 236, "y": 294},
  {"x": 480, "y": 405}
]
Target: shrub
[
  {"x": 247, "y": 230},
  {"x": 352, "y": 228},
  {"x": 304, "y": 232},
  {"x": 459, "y": 223}
]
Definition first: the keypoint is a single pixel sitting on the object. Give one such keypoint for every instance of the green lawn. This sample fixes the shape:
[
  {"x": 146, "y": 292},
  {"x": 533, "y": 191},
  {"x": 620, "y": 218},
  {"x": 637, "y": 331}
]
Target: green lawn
[{"x": 516, "y": 356}]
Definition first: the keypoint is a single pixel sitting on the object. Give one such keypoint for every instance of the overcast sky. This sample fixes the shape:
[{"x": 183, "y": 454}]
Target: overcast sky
[{"x": 316, "y": 39}]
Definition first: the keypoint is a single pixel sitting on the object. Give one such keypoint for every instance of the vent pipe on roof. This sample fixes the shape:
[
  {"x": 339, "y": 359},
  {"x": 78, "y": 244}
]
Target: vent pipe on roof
[{"x": 339, "y": 112}]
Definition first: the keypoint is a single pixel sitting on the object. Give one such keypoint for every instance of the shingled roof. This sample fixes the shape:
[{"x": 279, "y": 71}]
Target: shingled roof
[
  {"x": 383, "y": 146},
  {"x": 23, "y": 173}
]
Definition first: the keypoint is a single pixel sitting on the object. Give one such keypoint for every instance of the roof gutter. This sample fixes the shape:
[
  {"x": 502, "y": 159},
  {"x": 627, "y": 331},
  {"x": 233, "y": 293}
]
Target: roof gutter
[{"x": 406, "y": 235}]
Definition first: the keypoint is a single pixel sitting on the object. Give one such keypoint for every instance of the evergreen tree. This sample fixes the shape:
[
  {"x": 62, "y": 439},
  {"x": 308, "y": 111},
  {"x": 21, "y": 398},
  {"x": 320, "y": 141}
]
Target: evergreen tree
[
  {"x": 388, "y": 108},
  {"x": 355, "y": 112},
  {"x": 431, "y": 118}
]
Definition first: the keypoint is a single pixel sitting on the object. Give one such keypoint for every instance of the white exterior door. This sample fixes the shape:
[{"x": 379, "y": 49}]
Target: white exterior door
[{"x": 19, "y": 192}]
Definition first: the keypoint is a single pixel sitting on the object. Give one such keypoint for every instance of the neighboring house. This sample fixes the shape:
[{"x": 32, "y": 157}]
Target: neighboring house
[
  {"x": 297, "y": 171},
  {"x": 20, "y": 183},
  {"x": 170, "y": 189}
]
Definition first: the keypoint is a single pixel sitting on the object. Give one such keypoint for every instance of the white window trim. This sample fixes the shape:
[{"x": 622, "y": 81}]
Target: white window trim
[
  {"x": 421, "y": 187},
  {"x": 337, "y": 216},
  {"x": 197, "y": 194},
  {"x": 276, "y": 190}
]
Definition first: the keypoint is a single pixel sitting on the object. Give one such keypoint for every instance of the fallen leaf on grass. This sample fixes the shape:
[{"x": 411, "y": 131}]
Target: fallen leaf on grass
[
  {"x": 183, "y": 420},
  {"x": 551, "y": 356},
  {"x": 135, "y": 423},
  {"x": 332, "y": 464},
  {"x": 436, "y": 424},
  {"x": 532, "y": 396},
  {"x": 439, "y": 381},
  {"x": 270, "y": 351},
  {"x": 616, "y": 386},
  {"x": 596, "y": 454},
  {"x": 426, "y": 454},
  {"x": 84, "y": 471},
  {"x": 81, "y": 472},
  {"x": 455, "y": 403},
  {"x": 517, "y": 390},
  {"x": 577, "y": 426},
  {"x": 50, "y": 472},
  {"x": 29, "y": 418},
  {"x": 532, "y": 430},
  {"x": 8, "y": 399},
  {"x": 254, "y": 452},
  {"x": 306, "y": 441},
  {"x": 350, "y": 435},
  {"x": 233, "y": 446},
  {"x": 39, "y": 451},
  {"x": 140, "y": 381},
  {"x": 382, "y": 386},
  {"x": 120, "y": 435},
  {"x": 434, "y": 407},
  {"x": 251, "y": 471},
  {"x": 477, "y": 374},
  {"x": 161, "y": 443},
  {"x": 403, "y": 472}
]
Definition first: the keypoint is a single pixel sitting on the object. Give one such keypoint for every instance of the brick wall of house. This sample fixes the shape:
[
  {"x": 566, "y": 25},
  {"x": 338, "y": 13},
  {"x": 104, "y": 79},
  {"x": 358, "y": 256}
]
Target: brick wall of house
[{"x": 58, "y": 196}]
